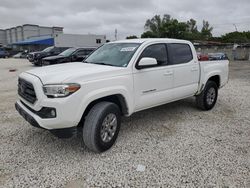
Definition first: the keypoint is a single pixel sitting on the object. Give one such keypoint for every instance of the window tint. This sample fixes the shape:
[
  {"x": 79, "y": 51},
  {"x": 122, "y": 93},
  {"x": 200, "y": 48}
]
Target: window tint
[
  {"x": 83, "y": 52},
  {"x": 179, "y": 53},
  {"x": 56, "y": 50},
  {"x": 68, "y": 52},
  {"x": 87, "y": 52},
  {"x": 80, "y": 53},
  {"x": 157, "y": 51}
]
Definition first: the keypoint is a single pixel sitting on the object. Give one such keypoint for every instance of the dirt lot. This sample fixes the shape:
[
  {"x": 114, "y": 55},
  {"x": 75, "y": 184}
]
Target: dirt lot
[{"x": 179, "y": 145}]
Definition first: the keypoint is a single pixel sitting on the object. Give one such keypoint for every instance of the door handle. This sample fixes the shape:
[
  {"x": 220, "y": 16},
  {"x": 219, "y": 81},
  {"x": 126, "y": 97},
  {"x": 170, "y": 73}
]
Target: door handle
[
  {"x": 169, "y": 73},
  {"x": 193, "y": 69}
]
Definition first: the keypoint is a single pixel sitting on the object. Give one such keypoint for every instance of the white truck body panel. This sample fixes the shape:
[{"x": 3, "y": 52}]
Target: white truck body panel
[{"x": 141, "y": 89}]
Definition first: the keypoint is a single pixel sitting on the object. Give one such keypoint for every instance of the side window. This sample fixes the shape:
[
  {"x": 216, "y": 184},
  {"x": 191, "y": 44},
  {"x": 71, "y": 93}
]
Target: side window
[
  {"x": 179, "y": 53},
  {"x": 81, "y": 53},
  {"x": 87, "y": 52},
  {"x": 157, "y": 51},
  {"x": 56, "y": 50},
  {"x": 62, "y": 49}
]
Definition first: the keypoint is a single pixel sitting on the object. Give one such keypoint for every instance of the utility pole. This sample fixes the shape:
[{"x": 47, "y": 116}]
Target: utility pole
[
  {"x": 116, "y": 34},
  {"x": 235, "y": 45}
]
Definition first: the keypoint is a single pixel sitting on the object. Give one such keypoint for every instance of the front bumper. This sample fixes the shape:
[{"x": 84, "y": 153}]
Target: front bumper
[
  {"x": 59, "y": 122},
  {"x": 27, "y": 116},
  {"x": 67, "y": 110},
  {"x": 60, "y": 133}
]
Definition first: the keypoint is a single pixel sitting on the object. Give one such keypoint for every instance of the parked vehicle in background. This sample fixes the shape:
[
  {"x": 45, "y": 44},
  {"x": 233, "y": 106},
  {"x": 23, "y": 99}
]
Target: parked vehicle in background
[
  {"x": 202, "y": 57},
  {"x": 119, "y": 78},
  {"x": 36, "y": 57},
  {"x": 69, "y": 55},
  {"x": 21, "y": 55},
  {"x": 217, "y": 56},
  {"x": 4, "y": 53}
]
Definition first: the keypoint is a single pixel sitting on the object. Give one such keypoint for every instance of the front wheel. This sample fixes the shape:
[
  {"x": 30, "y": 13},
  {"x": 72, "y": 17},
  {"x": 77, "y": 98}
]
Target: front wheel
[
  {"x": 101, "y": 127},
  {"x": 208, "y": 97}
]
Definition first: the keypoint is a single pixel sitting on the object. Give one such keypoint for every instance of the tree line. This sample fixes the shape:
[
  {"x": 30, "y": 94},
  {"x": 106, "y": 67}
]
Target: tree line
[{"x": 168, "y": 27}]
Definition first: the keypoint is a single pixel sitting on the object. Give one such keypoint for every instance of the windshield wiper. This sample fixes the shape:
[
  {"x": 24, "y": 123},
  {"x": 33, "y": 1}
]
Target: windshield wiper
[
  {"x": 105, "y": 64},
  {"x": 98, "y": 63}
]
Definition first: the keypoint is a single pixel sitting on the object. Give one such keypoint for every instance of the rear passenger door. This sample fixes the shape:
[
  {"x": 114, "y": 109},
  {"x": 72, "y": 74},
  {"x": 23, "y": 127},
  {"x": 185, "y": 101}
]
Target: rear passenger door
[{"x": 186, "y": 70}]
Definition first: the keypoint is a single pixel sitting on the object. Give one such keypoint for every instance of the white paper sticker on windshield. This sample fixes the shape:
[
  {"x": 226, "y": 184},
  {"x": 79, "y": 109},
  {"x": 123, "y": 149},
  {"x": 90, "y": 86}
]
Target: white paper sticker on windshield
[{"x": 128, "y": 49}]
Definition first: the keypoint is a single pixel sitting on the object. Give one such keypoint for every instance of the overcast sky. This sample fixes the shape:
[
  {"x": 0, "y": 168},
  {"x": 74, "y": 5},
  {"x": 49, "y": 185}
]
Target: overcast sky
[{"x": 128, "y": 16}]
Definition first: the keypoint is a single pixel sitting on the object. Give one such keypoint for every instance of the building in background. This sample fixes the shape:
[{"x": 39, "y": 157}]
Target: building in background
[
  {"x": 3, "y": 37},
  {"x": 13, "y": 35},
  {"x": 34, "y": 38}
]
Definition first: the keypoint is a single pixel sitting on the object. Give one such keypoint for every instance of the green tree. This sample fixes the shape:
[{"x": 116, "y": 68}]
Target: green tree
[
  {"x": 192, "y": 33},
  {"x": 132, "y": 37},
  {"x": 148, "y": 34},
  {"x": 206, "y": 30},
  {"x": 155, "y": 26},
  {"x": 158, "y": 27},
  {"x": 167, "y": 27},
  {"x": 192, "y": 27},
  {"x": 236, "y": 37}
]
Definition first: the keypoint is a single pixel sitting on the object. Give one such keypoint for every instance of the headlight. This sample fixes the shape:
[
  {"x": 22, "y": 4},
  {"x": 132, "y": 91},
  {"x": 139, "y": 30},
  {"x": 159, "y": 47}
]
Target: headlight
[{"x": 58, "y": 90}]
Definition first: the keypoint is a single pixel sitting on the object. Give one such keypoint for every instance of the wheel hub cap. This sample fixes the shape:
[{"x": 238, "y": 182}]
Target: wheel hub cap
[
  {"x": 211, "y": 94},
  {"x": 108, "y": 128}
]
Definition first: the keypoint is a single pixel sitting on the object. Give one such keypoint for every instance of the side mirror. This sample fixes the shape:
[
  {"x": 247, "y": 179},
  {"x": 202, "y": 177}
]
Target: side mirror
[{"x": 146, "y": 62}]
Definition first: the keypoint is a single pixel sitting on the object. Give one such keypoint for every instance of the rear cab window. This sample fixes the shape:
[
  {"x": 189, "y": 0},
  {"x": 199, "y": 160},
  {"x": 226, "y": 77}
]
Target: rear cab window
[{"x": 179, "y": 53}]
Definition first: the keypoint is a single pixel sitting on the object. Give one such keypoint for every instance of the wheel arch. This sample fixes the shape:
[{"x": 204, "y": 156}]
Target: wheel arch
[
  {"x": 118, "y": 99},
  {"x": 216, "y": 79}
]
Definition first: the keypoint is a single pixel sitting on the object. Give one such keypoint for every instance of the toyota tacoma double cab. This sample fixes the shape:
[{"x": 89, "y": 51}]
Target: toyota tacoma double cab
[{"x": 118, "y": 79}]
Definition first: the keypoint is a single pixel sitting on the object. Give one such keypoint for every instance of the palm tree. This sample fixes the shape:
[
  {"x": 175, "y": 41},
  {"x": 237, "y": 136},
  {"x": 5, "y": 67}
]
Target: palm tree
[{"x": 156, "y": 25}]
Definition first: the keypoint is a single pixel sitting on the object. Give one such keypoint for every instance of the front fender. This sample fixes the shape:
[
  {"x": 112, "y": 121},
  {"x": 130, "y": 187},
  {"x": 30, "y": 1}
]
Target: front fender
[{"x": 104, "y": 92}]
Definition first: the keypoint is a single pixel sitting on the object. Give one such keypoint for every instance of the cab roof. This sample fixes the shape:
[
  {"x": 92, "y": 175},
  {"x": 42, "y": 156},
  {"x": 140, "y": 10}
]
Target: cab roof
[{"x": 147, "y": 40}]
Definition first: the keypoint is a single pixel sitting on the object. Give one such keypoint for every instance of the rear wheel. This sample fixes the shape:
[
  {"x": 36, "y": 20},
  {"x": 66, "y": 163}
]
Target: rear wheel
[
  {"x": 208, "y": 97},
  {"x": 101, "y": 127}
]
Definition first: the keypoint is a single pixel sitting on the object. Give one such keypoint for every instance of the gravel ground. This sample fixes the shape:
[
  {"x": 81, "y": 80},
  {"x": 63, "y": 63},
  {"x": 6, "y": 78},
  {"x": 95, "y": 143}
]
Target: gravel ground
[{"x": 175, "y": 145}]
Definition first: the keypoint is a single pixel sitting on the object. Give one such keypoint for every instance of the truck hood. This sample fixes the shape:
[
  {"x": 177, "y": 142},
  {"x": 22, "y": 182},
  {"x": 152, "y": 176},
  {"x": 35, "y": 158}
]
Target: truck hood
[{"x": 75, "y": 72}]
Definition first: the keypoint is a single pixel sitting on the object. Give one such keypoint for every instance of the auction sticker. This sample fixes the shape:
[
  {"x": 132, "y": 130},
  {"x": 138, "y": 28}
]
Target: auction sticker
[{"x": 128, "y": 49}]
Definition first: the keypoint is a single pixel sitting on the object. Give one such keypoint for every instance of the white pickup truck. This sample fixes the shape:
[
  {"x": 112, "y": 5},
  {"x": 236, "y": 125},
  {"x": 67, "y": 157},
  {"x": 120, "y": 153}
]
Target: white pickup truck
[{"x": 118, "y": 79}]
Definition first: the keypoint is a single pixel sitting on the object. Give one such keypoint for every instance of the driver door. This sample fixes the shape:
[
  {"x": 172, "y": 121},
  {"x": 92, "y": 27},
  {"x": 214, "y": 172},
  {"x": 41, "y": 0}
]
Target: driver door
[{"x": 153, "y": 86}]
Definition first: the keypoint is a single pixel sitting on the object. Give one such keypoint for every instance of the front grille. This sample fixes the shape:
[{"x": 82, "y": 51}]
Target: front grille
[
  {"x": 31, "y": 56},
  {"x": 26, "y": 90}
]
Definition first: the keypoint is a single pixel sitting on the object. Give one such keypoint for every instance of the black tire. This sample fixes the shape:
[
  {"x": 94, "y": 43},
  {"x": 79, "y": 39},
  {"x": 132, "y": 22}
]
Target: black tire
[
  {"x": 205, "y": 100},
  {"x": 93, "y": 126}
]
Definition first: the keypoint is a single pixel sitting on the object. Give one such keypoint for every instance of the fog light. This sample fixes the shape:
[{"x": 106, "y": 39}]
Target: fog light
[
  {"x": 47, "y": 112},
  {"x": 53, "y": 113}
]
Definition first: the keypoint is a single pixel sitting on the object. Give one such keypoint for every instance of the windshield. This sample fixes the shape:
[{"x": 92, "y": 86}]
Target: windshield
[
  {"x": 114, "y": 54},
  {"x": 68, "y": 52},
  {"x": 48, "y": 49}
]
